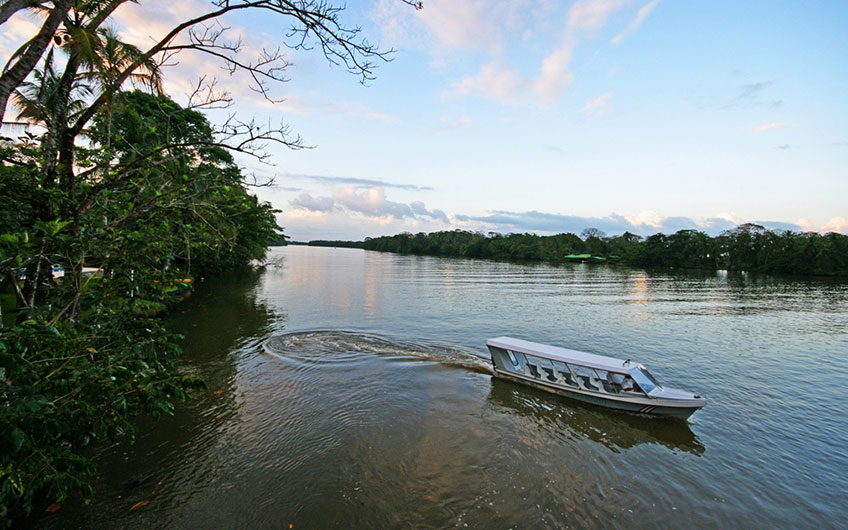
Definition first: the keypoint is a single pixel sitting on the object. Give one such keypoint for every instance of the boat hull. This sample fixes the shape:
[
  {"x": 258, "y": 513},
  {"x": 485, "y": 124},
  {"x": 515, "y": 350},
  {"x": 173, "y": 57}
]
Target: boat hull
[{"x": 638, "y": 405}]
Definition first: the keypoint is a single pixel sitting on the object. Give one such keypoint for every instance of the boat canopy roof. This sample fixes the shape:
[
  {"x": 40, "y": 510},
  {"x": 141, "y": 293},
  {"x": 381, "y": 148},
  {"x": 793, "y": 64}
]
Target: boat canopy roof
[{"x": 565, "y": 355}]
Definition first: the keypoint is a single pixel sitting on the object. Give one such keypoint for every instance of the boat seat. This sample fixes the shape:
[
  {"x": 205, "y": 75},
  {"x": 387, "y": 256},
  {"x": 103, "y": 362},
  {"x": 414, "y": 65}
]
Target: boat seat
[
  {"x": 566, "y": 378},
  {"x": 597, "y": 383},
  {"x": 550, "y": 373}
]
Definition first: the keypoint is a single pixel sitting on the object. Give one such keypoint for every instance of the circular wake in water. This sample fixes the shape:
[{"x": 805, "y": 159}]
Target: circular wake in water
[{"x": 331, "y": 346}]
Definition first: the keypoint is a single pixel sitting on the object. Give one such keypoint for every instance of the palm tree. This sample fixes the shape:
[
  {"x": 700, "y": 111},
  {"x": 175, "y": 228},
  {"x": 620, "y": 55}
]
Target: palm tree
[
  {"x": 107, "y": 58},
  {"x": 38, "y": 99}
]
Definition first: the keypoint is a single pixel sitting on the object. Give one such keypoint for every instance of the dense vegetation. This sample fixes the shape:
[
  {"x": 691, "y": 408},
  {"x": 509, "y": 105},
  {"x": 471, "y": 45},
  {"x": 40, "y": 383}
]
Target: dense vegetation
[
  {"x": 336, "y": 243},
  {"x": 80, "y": 358},
  {"x": 128, "y": 194},
  {"x": 748, "y": 247}
]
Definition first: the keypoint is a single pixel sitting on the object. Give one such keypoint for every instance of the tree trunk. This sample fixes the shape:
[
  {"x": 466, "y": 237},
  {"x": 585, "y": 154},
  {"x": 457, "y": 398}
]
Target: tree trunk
[{"x": 33, "y": 50}]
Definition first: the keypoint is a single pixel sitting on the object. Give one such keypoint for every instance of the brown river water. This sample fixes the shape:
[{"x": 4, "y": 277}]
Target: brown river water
[{"x": 352, "y": 389}]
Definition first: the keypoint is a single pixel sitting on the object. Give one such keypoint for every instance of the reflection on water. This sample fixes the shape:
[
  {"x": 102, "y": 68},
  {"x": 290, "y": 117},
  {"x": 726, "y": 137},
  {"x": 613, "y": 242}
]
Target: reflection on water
[
  {"x": 616, "y": 430},
  {"x": 396, "y": 421}
]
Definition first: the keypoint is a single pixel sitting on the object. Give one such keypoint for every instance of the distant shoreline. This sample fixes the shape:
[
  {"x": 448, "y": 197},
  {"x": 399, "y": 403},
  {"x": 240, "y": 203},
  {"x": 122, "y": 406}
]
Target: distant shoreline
[{"x": 747, "y": 248}]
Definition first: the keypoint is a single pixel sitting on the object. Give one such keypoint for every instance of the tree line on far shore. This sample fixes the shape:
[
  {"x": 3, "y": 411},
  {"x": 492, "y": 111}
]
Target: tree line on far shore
[{"x": 748, "y": 247}]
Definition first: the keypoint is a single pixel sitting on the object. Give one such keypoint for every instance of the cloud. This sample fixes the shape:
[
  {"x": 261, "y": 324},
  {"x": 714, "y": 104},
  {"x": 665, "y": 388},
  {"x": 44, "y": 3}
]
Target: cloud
[
  {"x": 419, "y": 209},
  {"x": 836, "y": 224},
  {"x": 644, "y": 223},
  {"x": 598, "y": 105},
  {"x": 315, "y": 204},
  {"x": 779, "y": 225},
  {"x": 806, "y": 225},
  {"x": 752, "y": 95},
  {"x": 784, "y": 147},
  {"x": 752, "y": 90},
  {"x": 142, "y": 26},
  {"x": 448, "y": 123},
  {"x": 774, "y": 126},
  {"x": 332, "y": 181},
  {"x": 716, "y": 225},
  {"x": 532, "y": 221},
  {"x": 641, "y": 15},
  {"x": 591, "y": 15},
  {"x": 373, "y": 214},
  {"x": 649, "y": 218},
  {"x": 498, "y": 80},
  {"x": 461, "y": 24},
  {"x": 370, "y": 203},
  {"x": 456, "y": 25},
  {"x": 730, "y": 217},
  {"x": 21, "y": 27}
]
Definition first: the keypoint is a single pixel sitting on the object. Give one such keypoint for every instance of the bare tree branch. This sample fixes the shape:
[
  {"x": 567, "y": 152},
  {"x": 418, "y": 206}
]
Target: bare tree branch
[{"x": 315, "y": 21}]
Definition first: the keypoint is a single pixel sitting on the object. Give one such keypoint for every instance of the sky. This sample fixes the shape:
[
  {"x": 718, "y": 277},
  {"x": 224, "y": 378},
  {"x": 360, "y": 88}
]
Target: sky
[{"x": 548, "y": 116}]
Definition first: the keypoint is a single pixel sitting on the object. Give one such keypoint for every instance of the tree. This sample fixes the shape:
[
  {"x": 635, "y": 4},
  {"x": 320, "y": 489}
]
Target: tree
[
  {"x": 151, "y": 193},
  {"x": 592, "y": 232},
  {"x": 774, "y": 251}
]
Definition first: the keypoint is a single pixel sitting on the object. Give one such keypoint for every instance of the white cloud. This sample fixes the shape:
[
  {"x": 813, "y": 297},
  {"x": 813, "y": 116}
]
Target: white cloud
[
  {"x": 501, "y": 82},
  {"x": 370, "y": 202},
  {"x": 306, "y": 201},
  {"x": 591, "y": 15},
  {"x": 774, "y": 126},
  {"x": 461, "y": 24},
  {"x": 641, "y": 15},
  {"x": 369, "y": 212},
  {"x": 17, "y": 30},
  {"x": 143, "y": 27},
  {"x": 554, "y": 75},
  {"x": 836, "y": 224},
  {"x": 497, "y": 80},
  {"x": 730, "y": 217},
  {"x": 645, "y": 223},
  {"x": 598, "y": 105},
  {"x": 456, "y": 25},
  {"x": 649, "y": 218}
]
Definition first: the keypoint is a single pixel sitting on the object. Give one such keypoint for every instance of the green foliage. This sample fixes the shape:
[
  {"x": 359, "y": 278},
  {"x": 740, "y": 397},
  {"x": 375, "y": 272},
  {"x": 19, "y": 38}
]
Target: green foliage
[
  {"x": 335, "y": 243},
  {"x": 136, "y": 187},
  {"x": 196, "y": 191},
  {"x": 480, "y": 245},
  {"x": 65, "y": 386},
  {"x": 82, "y": 356},
  {"x": 748, "y": 247}
]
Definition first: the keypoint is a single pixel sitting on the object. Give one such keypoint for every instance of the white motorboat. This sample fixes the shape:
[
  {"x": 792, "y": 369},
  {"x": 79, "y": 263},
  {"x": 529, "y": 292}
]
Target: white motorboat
[{"x": 606, "y": 381}]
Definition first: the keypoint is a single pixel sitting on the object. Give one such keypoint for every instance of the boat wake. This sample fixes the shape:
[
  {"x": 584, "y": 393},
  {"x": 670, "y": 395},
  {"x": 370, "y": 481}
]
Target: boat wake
[{"x": 333, "y": 346}]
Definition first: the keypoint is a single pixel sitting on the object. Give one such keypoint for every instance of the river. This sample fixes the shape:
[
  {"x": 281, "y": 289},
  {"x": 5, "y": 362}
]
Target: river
[{"x": 351, "y": 389}]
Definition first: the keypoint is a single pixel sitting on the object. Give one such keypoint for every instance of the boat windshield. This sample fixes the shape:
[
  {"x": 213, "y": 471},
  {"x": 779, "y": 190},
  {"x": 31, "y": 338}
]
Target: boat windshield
[
  {"x": 649, "y": 376},
  {"x": 645, "y": 380}
]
